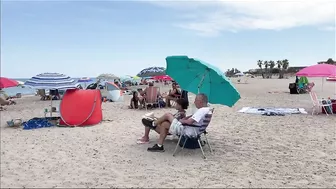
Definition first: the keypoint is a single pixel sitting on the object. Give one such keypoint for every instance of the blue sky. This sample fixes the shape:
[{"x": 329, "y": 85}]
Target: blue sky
[{"x": 87, "y": 38}]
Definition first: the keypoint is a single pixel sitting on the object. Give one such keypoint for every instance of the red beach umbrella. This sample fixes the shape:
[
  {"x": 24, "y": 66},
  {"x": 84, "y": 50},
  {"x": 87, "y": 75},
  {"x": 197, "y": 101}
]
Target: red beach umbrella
[
  {"x": 5, "y": 83},
  {"x": 162, "y": 77}
]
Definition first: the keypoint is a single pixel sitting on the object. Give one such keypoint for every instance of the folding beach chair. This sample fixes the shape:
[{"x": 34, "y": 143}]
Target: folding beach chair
[
  {"x": 197, "y": 136},
  {"x": 152, "y": 97},
  {"x": 318, "y": 104}
]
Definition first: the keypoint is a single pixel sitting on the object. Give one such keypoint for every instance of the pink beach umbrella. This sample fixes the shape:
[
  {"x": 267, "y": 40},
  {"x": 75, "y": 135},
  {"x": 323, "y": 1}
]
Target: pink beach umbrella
[{"x": 318, "y": 70}]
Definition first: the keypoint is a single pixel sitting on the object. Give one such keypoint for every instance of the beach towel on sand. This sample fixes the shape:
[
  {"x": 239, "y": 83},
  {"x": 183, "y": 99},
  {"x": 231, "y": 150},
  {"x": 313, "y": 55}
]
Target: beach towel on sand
[
  {"x": 271, "y": 111},
  {"x": 36, "y": 123}
]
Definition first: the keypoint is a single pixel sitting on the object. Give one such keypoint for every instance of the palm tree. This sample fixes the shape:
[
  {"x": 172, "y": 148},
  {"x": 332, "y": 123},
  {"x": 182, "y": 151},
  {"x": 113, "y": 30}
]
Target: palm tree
[
  {"x": 330, "y": 61},
  {"x": 279, "y": 63},
  {"x": 285, "y": 64},
  {"x": 271, "y": 65},
  {"x": 266, "y": 65},
  {"x": 260, "y": 64},
  {"x": 227, "y": 73}
]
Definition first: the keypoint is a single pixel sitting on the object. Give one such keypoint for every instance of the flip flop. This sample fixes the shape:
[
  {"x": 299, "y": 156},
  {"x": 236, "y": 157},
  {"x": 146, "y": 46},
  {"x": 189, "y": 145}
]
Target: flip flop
[{"x": 142, "y": 141}]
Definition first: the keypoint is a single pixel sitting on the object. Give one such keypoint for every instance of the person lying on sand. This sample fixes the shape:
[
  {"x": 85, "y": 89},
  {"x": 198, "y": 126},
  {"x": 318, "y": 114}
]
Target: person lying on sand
[
  {"x": 174, "y": 126},
  {"x": 6, "y": 102},
  {"x": 181, "y": 106}
]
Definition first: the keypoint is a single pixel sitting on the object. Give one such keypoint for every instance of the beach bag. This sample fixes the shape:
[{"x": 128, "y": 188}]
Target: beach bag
[
  {"x": 293, "y": 88},
  {"x": 162, "y": 103},
  {"x": 191, "y": 143}
]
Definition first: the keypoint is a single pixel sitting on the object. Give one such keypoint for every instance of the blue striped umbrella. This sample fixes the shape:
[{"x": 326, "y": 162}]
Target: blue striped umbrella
[{"x": 51, "y": 81}]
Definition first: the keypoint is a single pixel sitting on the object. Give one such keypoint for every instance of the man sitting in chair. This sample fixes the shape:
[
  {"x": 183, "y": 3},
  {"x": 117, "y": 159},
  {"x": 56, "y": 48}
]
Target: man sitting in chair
[
  {"x": 173, "y": 94},
  {"x": 173, "y": 126}
]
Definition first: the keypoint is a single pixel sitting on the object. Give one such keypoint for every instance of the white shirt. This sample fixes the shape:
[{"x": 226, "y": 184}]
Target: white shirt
[{"x": 199, "y": 115}]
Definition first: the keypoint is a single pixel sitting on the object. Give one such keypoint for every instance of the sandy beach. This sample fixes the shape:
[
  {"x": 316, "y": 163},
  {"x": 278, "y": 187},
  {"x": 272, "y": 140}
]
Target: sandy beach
[{"x": 249, "y": 150}]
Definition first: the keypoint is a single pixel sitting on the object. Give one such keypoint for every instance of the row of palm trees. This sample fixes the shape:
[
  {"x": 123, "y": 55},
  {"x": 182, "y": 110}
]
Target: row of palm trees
[
  {"x": 231, "y": 72},
  {"x": 282, "y": 66}
]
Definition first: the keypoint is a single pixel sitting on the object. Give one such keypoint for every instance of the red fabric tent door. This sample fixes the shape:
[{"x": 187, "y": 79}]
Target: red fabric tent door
[{"x": 81, "y": 108}]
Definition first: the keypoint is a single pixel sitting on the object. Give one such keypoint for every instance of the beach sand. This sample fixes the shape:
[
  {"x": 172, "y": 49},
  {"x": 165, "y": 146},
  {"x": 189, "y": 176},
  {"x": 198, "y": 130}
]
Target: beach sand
[{"x": 249, "y": 150}]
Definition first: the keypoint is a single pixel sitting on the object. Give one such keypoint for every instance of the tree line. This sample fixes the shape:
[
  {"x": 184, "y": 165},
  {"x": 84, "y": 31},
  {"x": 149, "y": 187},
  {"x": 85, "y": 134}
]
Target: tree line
[
  {"x": 231, "y": 72},
  {"x": 269, "y": 67}
]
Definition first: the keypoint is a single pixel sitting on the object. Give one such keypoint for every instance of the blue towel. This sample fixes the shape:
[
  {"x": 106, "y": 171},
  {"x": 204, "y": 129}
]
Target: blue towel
[{"x": 36, "y": 123}]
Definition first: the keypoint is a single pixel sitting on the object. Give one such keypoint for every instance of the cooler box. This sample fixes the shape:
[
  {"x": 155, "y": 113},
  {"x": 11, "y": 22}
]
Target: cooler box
[{"x": 292, "y": 88}]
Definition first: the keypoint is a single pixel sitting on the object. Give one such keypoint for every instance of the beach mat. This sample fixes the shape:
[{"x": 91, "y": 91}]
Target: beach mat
[
  {"x": 271, "y": 111},
  {"x": 37, "y": 122}
]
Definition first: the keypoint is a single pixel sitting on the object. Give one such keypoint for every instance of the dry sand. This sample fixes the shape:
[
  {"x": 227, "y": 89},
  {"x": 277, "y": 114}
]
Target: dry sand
[{"x": 250, "y": 150}]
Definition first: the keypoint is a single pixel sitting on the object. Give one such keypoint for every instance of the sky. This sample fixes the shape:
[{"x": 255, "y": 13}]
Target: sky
[{"x": 87, "y": 38}]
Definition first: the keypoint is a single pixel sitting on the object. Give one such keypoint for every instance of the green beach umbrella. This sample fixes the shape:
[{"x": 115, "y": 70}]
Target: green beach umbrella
[{"x": 197, "y": 76}]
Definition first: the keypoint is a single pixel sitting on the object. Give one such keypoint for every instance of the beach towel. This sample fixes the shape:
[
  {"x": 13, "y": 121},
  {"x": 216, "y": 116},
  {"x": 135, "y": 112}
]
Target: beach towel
[
  {"x": 36, "y": 123},
  {"x": 271, "y": 111}
]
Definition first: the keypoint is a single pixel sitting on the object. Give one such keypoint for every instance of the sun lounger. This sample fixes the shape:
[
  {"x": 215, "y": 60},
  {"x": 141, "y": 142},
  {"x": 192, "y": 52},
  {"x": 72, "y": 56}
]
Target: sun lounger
[{"x": 43, "y": 95}]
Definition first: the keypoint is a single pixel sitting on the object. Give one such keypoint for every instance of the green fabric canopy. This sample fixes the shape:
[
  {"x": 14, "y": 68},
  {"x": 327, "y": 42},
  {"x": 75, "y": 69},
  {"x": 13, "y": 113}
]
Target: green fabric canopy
[{"x": 197, "y": 76}]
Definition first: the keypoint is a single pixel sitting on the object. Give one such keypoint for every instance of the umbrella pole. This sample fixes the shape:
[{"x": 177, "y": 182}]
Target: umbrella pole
[
  {"x": 201, "y": 83},
  {"x": 51, "y": 107}
]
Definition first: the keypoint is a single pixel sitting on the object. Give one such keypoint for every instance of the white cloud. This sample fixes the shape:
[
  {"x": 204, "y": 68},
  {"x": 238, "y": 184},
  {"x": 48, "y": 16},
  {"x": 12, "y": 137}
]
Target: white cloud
[
  {"x": 213, "y": 17},
  {"x": 328, "y": 28}
]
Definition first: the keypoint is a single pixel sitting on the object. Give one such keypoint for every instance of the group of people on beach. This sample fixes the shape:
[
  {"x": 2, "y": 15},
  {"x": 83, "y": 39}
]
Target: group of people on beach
[{"x": 139, "y": 99}]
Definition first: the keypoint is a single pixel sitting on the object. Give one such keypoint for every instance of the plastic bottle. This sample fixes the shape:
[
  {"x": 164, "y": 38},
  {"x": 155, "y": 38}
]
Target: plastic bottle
[{"x": 329, "y": 108}]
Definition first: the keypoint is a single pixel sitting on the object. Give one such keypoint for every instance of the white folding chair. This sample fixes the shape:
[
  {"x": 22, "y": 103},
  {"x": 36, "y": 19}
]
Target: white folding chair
[{"x": 318, "y": 104}]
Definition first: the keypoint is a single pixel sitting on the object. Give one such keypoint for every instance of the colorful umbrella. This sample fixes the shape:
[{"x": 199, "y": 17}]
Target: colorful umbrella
[
  {"x": 5, "y": 83},
  {"x": 199, "y": 77},
  {"x": 51, "y": 81},
  {"x": 163, "y": 77},
  {"x": 127, "y": 79},
  {"x": 107, "y": 76},
  {"x": 152, "y": 71},
  {"x": 318, "y": 70},
  {"x": 239, "y": 74},
  {"x": 85, "y": 79}
]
